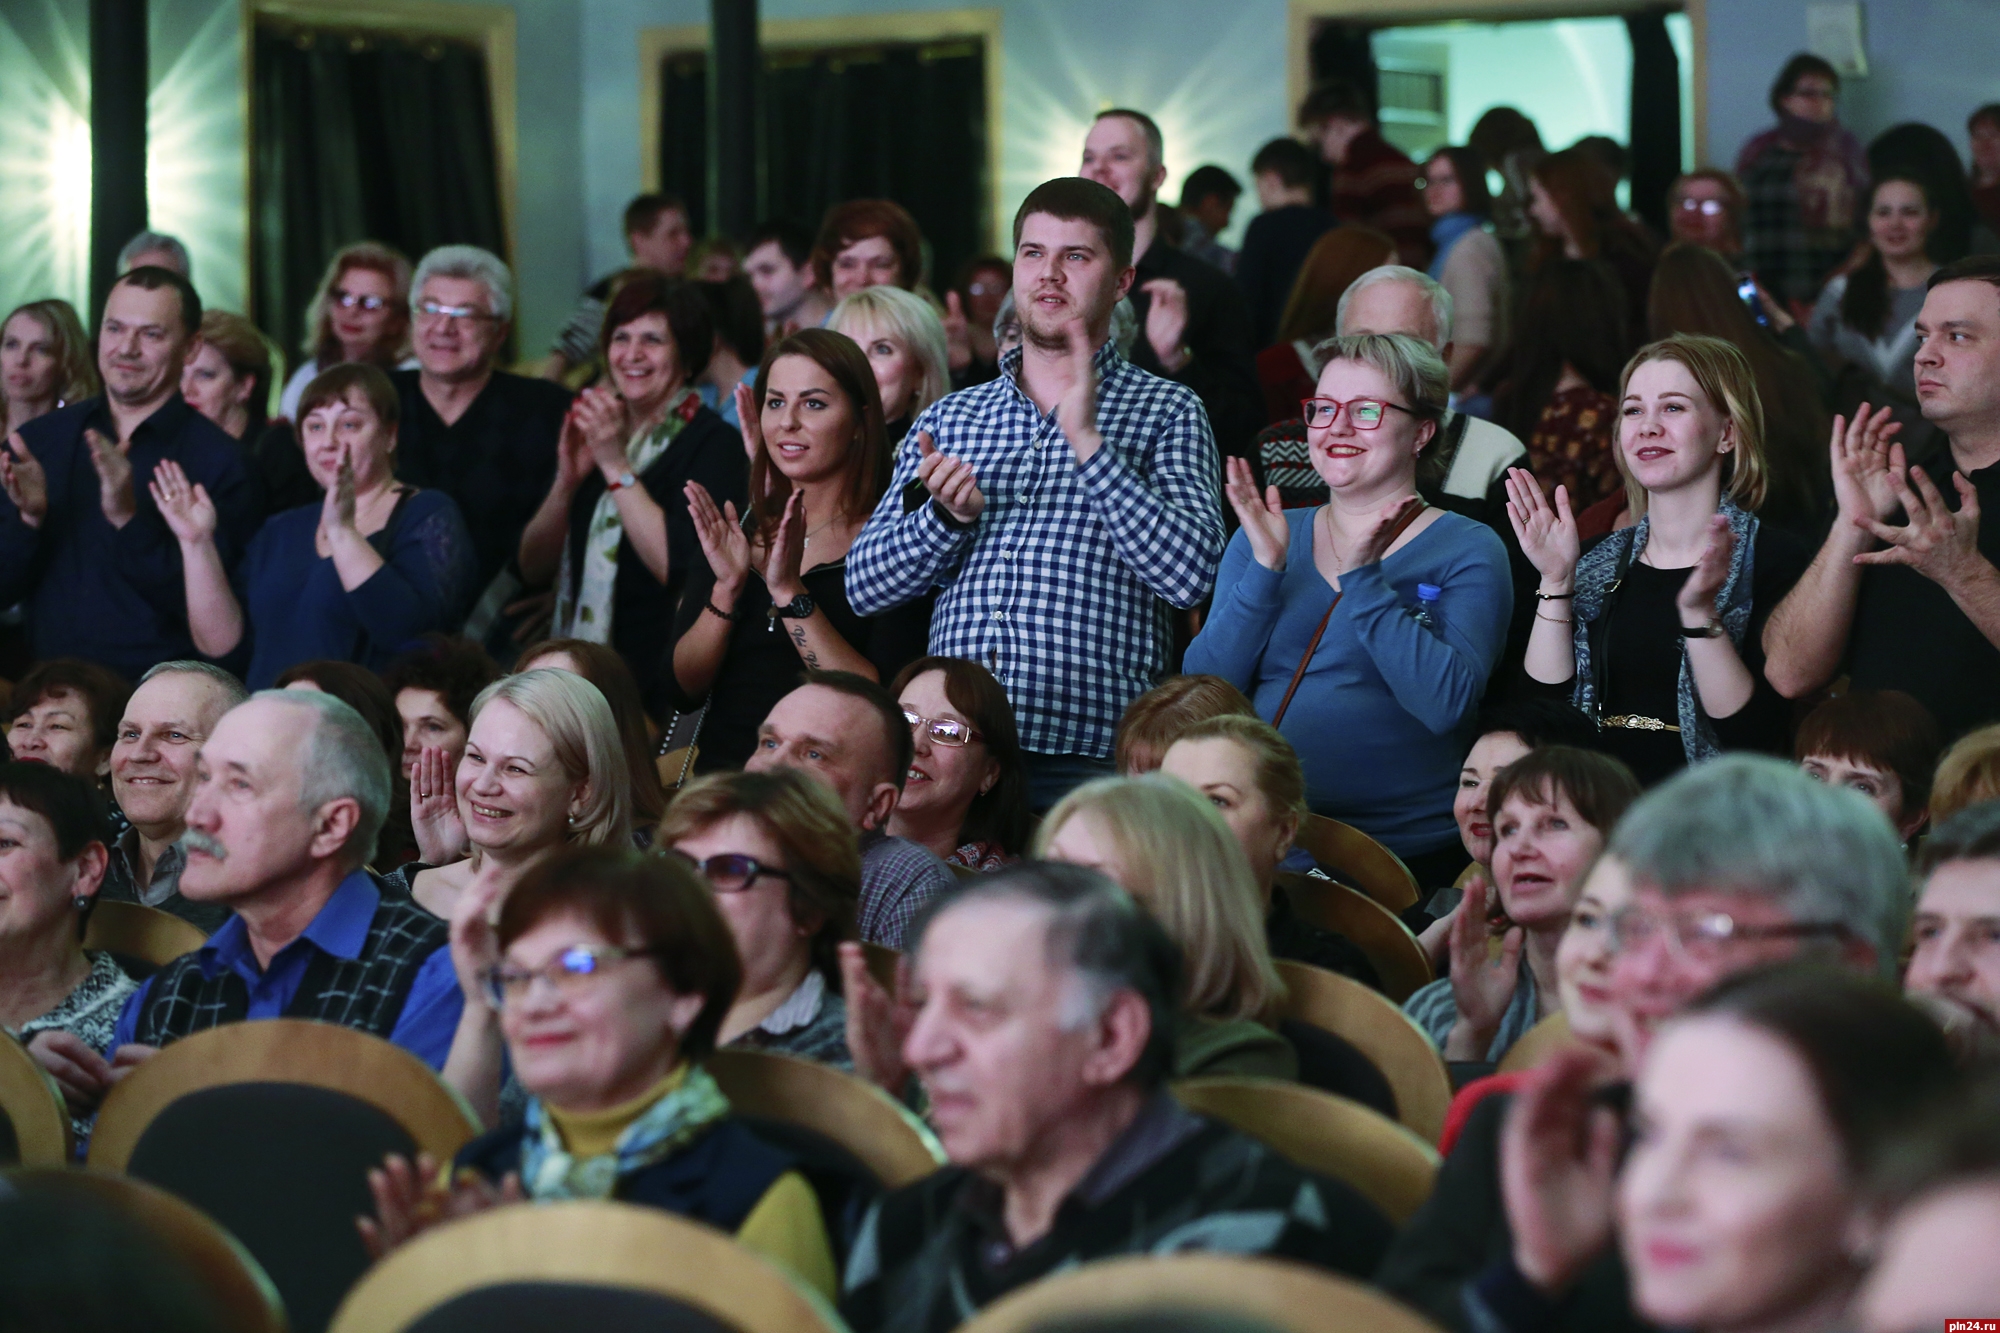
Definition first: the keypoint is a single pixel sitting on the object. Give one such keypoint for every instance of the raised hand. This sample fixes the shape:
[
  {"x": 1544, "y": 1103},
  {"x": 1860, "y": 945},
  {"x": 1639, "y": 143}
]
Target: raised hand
[
  {"x": 957, "y": 340},
  {"x": 1166, "y": 323},
  {"x": 187, "y": 510},
  {"x": 114, "y": 477},
  {"x": 26, "y": 484},
  {"x": 1697, "y": 595},
  {"x": 1481, "y": 984},
  {"x": 1547, "y": 533},
  {"x": 411, "y": 1199},
  {"x": 1558, "y": 1157},
  {"x": 877, "y": 1024},
  {"x": 336, "y": 508},
  {"x": 720, "y": 533},
  {"x": 1076, "y": 413},
  {"x": 434, "y": 816},
  {"x": 475, "y": 943},
  {"x": 573, "y": 461},
  {"x": 1262, "y": 516},
  {"x": 950, "y": 481},
  {"x": 787, "y": 552},
  {"x": 1940, "y": 545},
  {"x": 1865, "y": 459}
]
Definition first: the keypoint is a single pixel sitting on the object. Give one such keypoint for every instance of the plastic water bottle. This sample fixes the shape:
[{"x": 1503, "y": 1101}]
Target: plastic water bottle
[{"x": 1427, "y": 595}]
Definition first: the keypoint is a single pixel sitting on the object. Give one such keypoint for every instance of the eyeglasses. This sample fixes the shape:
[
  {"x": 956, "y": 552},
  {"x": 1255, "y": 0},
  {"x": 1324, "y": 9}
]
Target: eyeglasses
[
  {"x": 566, "y": 973},
  {"x": 1706, "y": 934},
  {"x": 943, "y": 730},
  {"x": 732, "y": 872},
  {"x": 1364, "y": 413},
  {"x": 351, "y": 300},
  {"x": 432, "y": 310},
  {"x": 1708, "y": 208}
]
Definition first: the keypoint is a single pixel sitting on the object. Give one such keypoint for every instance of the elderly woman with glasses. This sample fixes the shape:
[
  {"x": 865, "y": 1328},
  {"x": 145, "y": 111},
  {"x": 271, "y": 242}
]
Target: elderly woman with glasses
[
  {"x": 781, "y": 855},
  {"x": 615, "y": 975},
  {"x": 1372, "y": 620}
]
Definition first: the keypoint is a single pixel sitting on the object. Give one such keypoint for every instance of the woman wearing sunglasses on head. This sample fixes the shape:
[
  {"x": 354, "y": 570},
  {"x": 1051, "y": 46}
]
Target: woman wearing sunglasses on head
[
  {"x": 780, "y": 855},
  {"x": 615, "y": 975},
  {"x": 1365, "y": 629},
  {"x": 966, "y": 797}
]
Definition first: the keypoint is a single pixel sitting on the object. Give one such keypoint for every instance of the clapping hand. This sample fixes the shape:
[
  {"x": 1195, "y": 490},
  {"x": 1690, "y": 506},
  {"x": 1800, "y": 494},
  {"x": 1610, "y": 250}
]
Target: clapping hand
[
  {"x": 951, "y": 482},
  {"x": 1558, "y": 1159},
  {"x": 1697, "y": 595},
  {"x": 1547, "y": 533},
  {"x": 877, "y": 1024},
  {"x": 412, "y": 1199},
  {"x": 1166, "y": 323},
  {"x": 1376, "y": 544},
  {"x": 573, "y": 460},
  {"x": 114, "y": 477},
  {"x": 188, "y": 512},
  {"x": 720, "y": 533},
  {"x": 25, "y": 482},
  {"x": 1866, "y": 462},
  {"x": 1076, "y": 413},
  {"x": 1262, "y": 517},
  {"x": 434, "y": 814},
  {"x": 603, "y": 421},
  {"x": 787, "y": 552},
  {"x": 1941, "y": 545},
  {"x": 1482, "y": 985},
  {"x": 336, "y": 510},
  {"x": 957, "y": 339}
]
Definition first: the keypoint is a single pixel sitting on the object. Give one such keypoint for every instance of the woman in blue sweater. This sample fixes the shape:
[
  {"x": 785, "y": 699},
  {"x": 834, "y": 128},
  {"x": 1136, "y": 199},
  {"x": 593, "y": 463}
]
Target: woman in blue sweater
[
  {"x": 355, "y": 578},
  {"x": 1397, "y": 610}
]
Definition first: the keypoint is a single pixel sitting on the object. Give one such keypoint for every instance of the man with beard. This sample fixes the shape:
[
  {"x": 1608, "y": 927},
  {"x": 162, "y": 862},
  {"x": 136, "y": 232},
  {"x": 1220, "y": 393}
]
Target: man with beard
[
  {"x": 1195, "y": 322},
  {"x": 80, "y": 538},
  {"x": 291, "y": 791},
  {"x": 1064, "y": 508}
]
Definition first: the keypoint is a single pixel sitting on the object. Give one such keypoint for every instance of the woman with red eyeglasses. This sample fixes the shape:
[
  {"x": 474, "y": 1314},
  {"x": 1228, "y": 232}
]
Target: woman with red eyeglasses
[
  {"x": 1365, "y": 629},
  {"x": 966, "y": 796}
]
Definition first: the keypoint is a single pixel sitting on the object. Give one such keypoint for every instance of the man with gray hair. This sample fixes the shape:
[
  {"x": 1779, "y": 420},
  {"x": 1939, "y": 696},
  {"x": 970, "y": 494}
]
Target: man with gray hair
[
  {"x": 291, "y": 791},
  {"x": 1734, "y": 864},
  {"x": 1044, "y": 1038},
  {"x": 483, "y": 436},
  {"x": 153, "y": 757},
  {"x": 155, "y": 249}
]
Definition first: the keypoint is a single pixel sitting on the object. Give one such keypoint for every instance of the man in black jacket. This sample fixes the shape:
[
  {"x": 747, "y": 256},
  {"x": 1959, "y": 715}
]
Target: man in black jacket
[
  {"x": 1195, "y": 325},
  {"x": 1045, "y": 1037}
]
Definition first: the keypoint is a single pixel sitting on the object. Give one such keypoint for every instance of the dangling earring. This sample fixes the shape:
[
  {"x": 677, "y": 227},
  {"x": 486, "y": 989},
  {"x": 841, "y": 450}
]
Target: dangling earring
[{"x": 81, "y": 903}]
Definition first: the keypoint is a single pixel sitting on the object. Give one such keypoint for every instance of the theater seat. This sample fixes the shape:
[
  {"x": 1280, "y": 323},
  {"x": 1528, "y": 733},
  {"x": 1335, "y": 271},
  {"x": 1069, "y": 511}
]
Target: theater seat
[
  {"x": 142, "y": 934},
  {"x": 270, "y": 1128},
  {"x": 34, "y": 1124},
  {"x": 1352, "y": 857},
  {"x": 1382, "y": 1032},
  {"x": 604, "y": 1267}
]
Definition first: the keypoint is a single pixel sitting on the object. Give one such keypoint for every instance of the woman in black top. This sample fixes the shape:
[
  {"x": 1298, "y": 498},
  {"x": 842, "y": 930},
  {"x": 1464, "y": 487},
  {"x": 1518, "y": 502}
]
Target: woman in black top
[
  {"x": 772, "y": 602},
  {"x": 1656, "y": 629},
  {"x": 613, "y": 532}
]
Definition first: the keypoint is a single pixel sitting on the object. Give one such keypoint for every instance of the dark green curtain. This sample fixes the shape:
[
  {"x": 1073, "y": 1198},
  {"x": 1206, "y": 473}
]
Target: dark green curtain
[
  {"x": 1655, "y": 140},
  {"x": 902, "y": 121},
  {"x": 363, "y": 137}
]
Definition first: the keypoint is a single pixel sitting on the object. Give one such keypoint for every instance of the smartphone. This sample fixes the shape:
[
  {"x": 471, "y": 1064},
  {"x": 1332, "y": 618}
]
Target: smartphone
[{"x": 1746, "y": 287}]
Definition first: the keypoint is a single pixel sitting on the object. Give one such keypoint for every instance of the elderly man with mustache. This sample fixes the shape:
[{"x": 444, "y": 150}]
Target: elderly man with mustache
[{"x": 291, "y": 789}]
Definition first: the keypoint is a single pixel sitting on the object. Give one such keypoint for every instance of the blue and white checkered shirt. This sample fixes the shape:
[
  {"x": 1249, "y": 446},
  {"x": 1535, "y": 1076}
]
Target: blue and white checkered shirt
[{"x": 1065, "y": 585}]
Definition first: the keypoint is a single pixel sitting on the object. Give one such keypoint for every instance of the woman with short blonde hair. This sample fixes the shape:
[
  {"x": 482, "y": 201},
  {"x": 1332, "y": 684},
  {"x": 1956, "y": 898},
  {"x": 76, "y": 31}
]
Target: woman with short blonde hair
[
  {"x": 1659, "y": 627},
  {"x": 1968, "y": 774},
  {"x": 903, "y": 338},
  {"x": 576, "y": 718},
  {"x": 1169, "y": 849},
  {"x": 359, "y": 312}
]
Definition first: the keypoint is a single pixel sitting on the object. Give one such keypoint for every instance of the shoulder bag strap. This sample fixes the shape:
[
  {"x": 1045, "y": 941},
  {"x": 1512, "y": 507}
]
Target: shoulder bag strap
[{"x": 1312, "y": 646}]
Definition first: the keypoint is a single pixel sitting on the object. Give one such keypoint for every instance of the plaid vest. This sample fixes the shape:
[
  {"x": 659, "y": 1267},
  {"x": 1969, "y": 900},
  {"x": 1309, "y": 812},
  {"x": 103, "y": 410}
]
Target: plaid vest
[{"x": 366, "y": 993}]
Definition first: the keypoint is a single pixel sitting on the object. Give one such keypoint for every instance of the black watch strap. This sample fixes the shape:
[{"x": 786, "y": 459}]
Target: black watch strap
[{"x": 797, "y": 609}]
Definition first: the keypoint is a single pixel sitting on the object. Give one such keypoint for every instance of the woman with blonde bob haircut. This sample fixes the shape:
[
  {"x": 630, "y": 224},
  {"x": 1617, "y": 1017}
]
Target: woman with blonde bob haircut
[
  {"x": 1169, "y": 848},
  {"x": 543, "y": 771},
  {"x": 782, "y": 859},
  {"x": 903, "y": 338},
  {"x": 1658, "y": 627}
]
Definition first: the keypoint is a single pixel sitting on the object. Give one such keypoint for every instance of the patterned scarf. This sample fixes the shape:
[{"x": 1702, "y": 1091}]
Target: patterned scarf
[
  {"x": 1597, "y": 577},
  {"x": 583, "y": 605},
  {"x": 550, "y": 1171}
]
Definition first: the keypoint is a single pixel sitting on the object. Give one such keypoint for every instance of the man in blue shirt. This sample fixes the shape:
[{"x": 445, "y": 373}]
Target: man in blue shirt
[
  {"x": 80, "y": 539},
  {"x": 292, "y": 788}
]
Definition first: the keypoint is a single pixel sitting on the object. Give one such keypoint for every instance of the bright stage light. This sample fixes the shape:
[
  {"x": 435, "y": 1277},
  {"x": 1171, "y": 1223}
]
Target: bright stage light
[{"x": 44, "y": 174}]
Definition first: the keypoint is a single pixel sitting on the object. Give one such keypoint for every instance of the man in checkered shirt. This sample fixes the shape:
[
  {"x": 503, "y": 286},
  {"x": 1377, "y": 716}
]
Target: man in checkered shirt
[{"x": 1064, "y": 509}]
